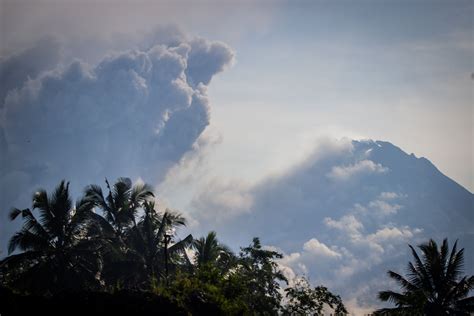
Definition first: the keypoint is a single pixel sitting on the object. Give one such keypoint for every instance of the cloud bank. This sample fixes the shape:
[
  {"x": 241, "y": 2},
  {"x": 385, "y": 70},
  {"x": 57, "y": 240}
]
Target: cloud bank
[
  {"x": 343, "y": 173},
  {"x": 134, "y": 113}
]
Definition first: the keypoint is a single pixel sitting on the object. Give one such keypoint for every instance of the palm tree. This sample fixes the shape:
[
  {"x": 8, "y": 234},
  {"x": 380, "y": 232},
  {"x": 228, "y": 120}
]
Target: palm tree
[
  {"x": 119, "y": 210},
  {"x": 152, "y": 242},
  {"x": 59, "y": 249},
  {"x": 433, "y": 286},
  {"x": 121, "y": 205},
  {"x": 210, "y": 251}
]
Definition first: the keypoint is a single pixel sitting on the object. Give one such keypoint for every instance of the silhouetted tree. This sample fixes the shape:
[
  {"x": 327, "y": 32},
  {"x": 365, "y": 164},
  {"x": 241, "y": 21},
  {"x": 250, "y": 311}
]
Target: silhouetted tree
[
  {"x": 119, "y": 210},
  {"x": 121, "y": 205},
  {"x": 304, "y": 300},
  {"x": 261, "y": 277},
  {"x": 59, "y": 249},
  {"x": 147, "y": 241},
  {"x": 121, "y": 244},
  {"x": 433, "y": 285},
  {"x": 209, "y": 251}
]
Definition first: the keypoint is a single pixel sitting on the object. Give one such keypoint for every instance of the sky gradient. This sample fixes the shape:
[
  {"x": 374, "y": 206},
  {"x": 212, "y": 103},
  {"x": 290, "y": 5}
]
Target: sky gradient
[
  {"x": 338, "y": 68},
  {"x": 236, "y": 108}
]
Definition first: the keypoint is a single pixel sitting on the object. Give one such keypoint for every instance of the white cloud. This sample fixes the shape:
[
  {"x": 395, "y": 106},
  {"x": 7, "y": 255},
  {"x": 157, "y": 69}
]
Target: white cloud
[
  {"x": 313, "y": 252},
  {"x": 352, "y": 228},
  {"x": 349, "y": 268},
  {"x": 384, "y": 208},
  {"x": 343, "y": 173},
  {"x": 317, "y": 248},
  {"x": 389, "y": 234},
  {"x": 388, "y": 195},
  {"x": 291, "y": 266},
  {"x": 367, "y": 249},
  {"x": 348, "y": 223},
  {"x": 355, "y": 308}
]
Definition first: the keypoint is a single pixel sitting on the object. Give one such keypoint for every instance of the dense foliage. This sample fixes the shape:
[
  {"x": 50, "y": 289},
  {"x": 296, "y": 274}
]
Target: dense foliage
[
  {"x": 116, "y": 252},
  {"x": 304, "y": 300},
  {"x": 116, "y": 249}
]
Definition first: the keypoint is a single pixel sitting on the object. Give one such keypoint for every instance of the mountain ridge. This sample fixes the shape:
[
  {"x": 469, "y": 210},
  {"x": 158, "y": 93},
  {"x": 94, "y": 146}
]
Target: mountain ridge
[{"x": 363, "y": 205}]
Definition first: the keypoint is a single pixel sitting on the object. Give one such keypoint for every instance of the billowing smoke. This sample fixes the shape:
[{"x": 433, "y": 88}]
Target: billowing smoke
[
  {"x": 17, "y": 69},
  {"x": 135, "y": 113}
]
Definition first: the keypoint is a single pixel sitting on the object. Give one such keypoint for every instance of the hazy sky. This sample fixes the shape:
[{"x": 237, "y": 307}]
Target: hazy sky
[
  {"x": 381, "y": 70},
  {"x": 214, "y": 101},
  {"x": 392, "y": 70}
]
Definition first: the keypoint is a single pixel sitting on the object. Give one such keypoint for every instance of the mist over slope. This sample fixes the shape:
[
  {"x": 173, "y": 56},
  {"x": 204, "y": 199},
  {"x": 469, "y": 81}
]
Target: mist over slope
[{"x": 346, "y": 214}]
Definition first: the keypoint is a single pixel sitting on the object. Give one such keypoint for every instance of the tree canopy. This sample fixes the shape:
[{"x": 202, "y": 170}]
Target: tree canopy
[
  {"x": 119, "y": 242},
  {"x": 118, "y": 245}
]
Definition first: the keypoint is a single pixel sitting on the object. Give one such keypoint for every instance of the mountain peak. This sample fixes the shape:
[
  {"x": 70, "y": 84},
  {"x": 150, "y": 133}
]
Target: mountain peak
[{"x": 374, "y": 198}]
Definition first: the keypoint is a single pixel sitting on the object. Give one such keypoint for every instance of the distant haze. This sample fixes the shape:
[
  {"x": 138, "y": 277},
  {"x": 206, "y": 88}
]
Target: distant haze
[{"x": 253, "y": 118}]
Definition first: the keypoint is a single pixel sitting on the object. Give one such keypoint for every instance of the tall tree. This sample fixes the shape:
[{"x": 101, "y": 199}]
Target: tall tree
[
  {"x": 119, "y": 212},
  {"x": 210, "y": 251},
  {"x": 153, "y": 242},
  {"x": 121, "y": 205},
  {"x": 261, "y": 276},
  {"x": 58, "y": 247},
  {"x": 434, "y": 284}
]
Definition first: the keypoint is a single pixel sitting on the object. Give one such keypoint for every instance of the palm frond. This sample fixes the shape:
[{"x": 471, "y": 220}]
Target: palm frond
[
  {"x": 393, "y": 297},
  {"x": 141, "y": 192},
  {"x": 26, "y": 240},
  {"x": 181, "y": 245},
  {"x": 404, "y": 283},
  {"x": 32, "y": 225},
  {"x": 418, "y": 272},
  {"x": 121, "y": 192},
  {"x": 455, "y": 265},
  {"x": 14, "y": 213},
  {"x": 42, "y": 203},
  {"x": 444, "y": 256}
]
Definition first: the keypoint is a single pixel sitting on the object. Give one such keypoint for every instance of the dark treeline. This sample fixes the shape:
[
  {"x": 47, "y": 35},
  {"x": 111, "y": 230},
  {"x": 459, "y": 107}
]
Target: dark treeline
[{"x": 115, "y": 251}]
